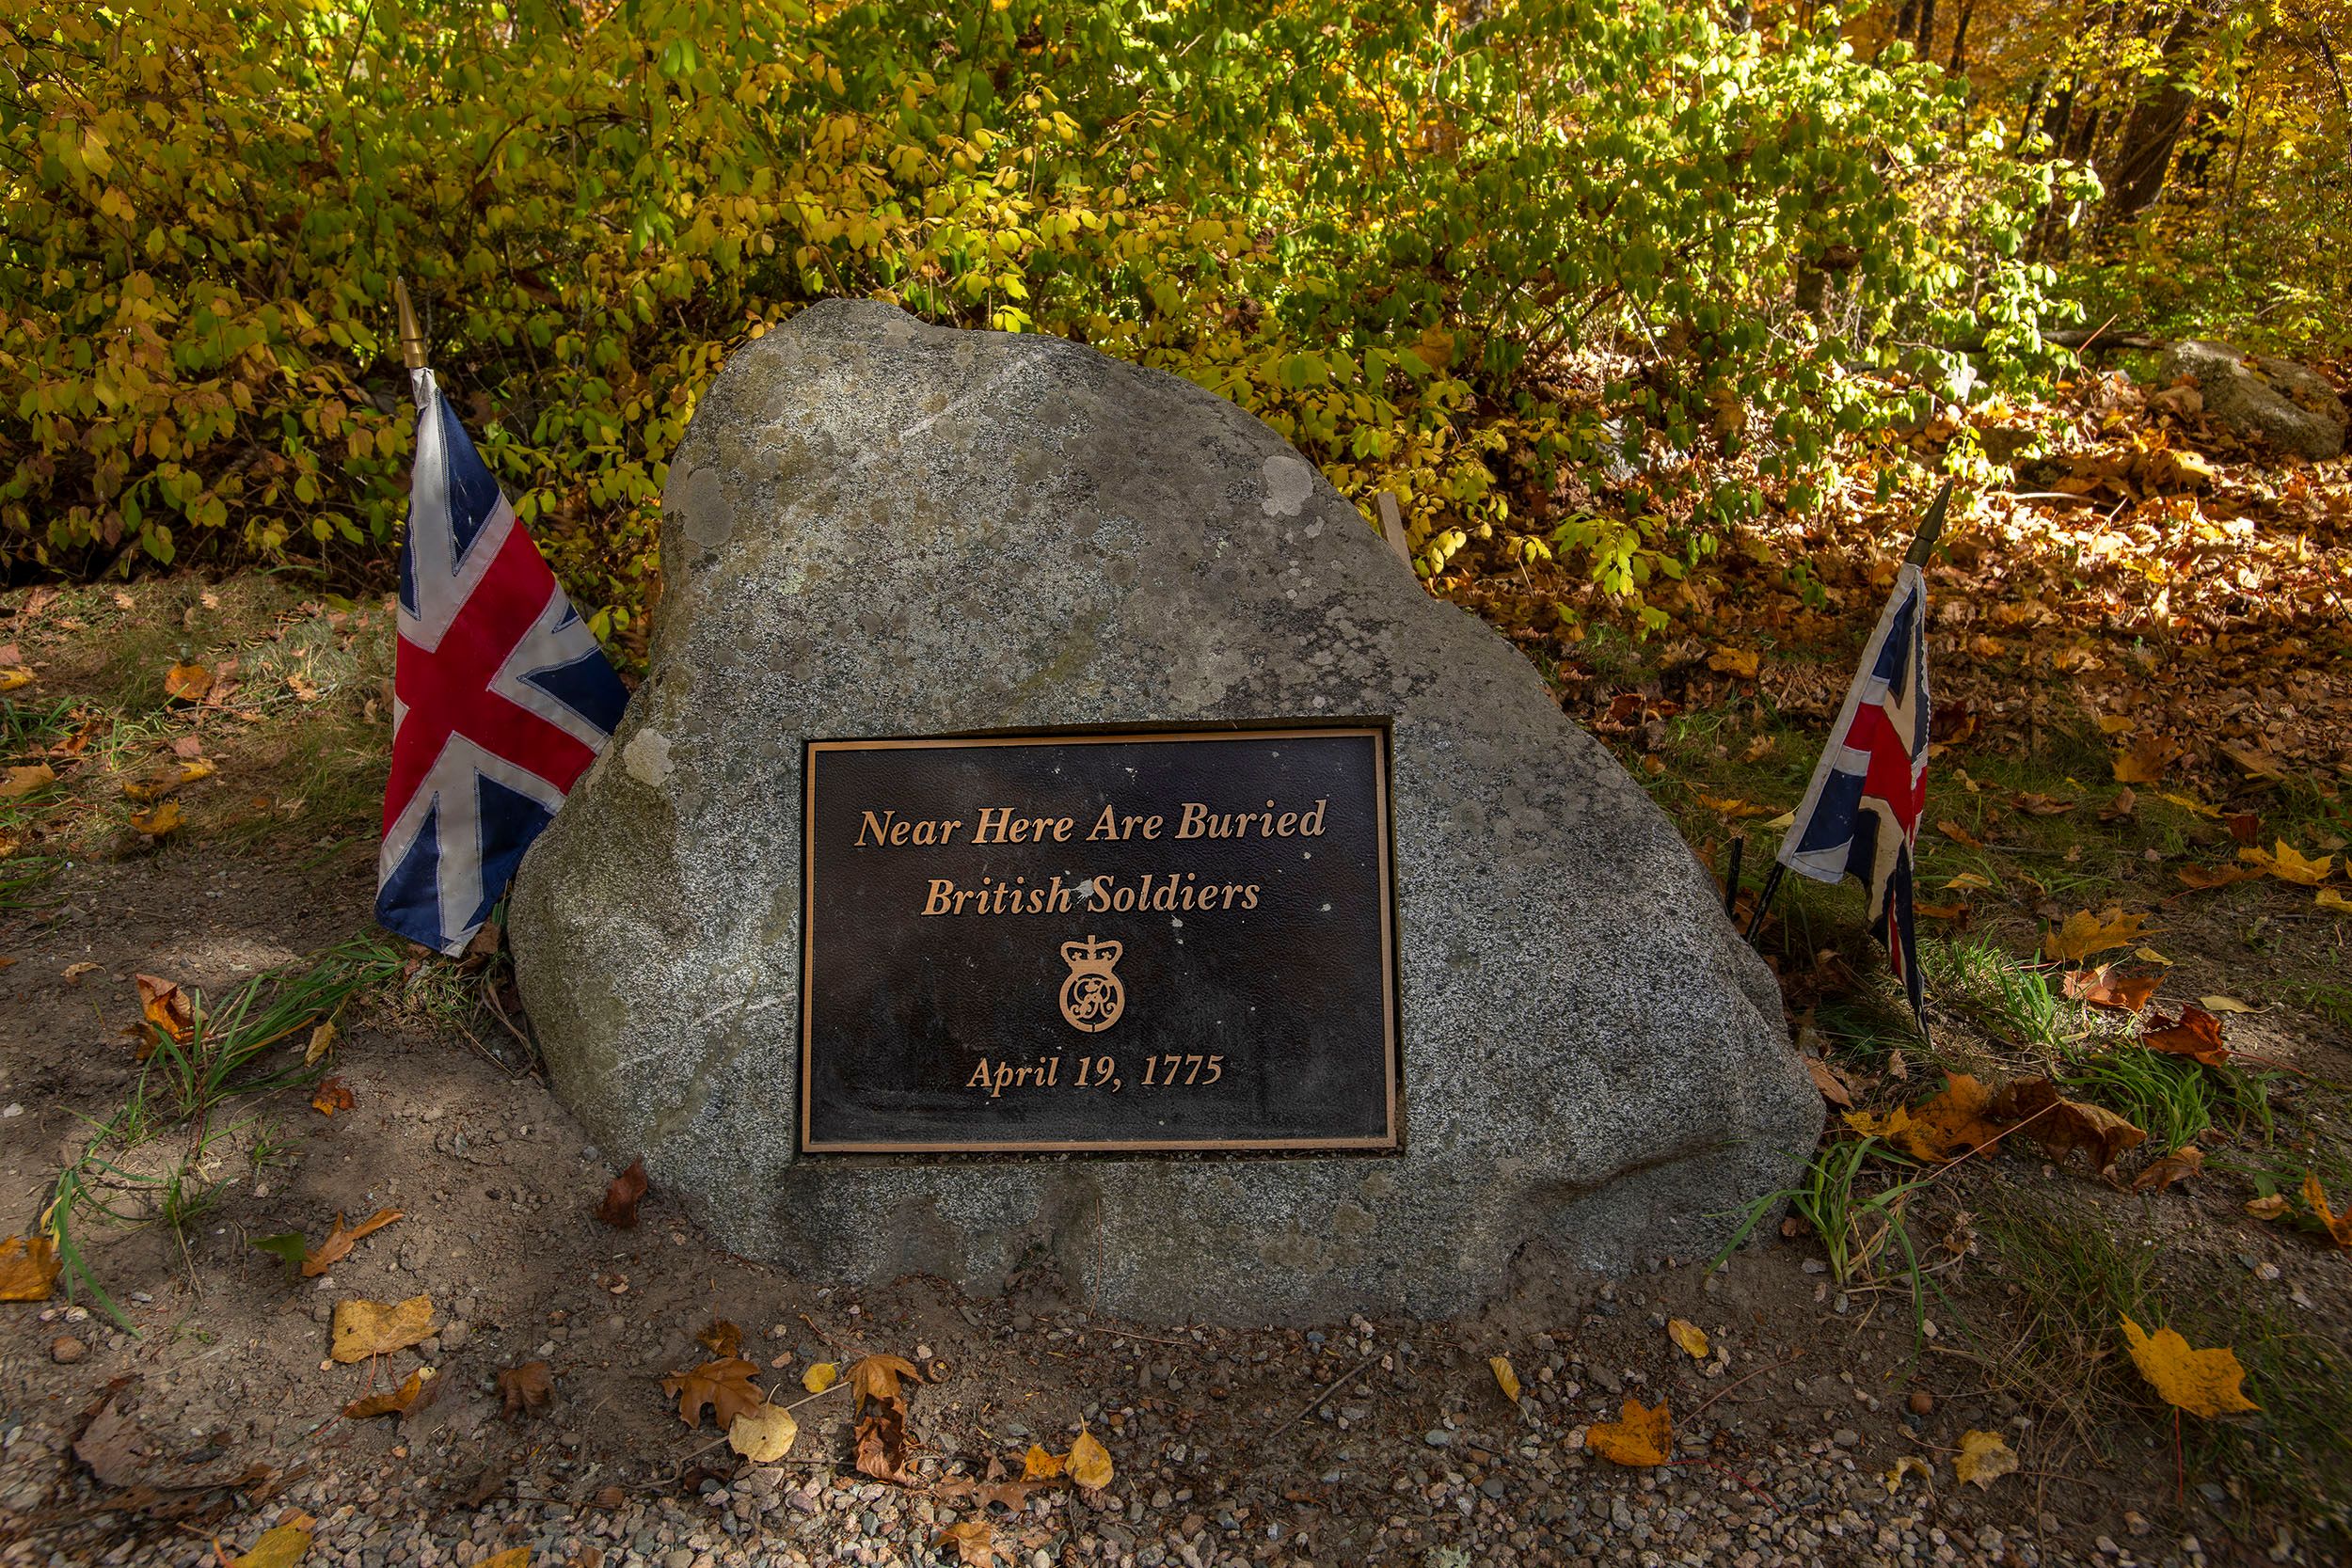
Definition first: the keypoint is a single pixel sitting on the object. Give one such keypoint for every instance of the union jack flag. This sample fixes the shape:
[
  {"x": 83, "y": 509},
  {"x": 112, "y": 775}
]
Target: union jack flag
[
  {"x": 501, "y": 696},
  {"x": 1861, "y": 813}
]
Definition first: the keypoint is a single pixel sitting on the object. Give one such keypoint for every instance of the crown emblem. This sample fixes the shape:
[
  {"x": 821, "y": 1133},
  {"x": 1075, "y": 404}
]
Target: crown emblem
[{"x": 1091, "y": 996}]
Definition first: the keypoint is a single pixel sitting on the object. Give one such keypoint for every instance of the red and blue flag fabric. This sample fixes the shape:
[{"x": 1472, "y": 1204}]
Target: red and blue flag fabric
[
  {"x": 1861, "y": 813},
  {"x": 501, "y": 696}
]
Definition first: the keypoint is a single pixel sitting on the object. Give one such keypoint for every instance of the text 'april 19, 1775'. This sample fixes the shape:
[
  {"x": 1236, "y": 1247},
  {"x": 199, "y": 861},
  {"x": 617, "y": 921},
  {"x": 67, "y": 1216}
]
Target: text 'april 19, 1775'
[{"x": 1113, "y": 942}]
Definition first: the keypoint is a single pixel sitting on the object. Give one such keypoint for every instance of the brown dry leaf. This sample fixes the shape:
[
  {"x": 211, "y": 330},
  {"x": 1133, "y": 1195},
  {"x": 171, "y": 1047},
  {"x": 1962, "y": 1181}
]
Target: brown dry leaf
[
  {"x": 1090, "y": 1463},
  {"x": 1505, "y": 1379},
  {"x": 2268, "y": 1207},
  {"x": 1689, "y": 1335},
  {"x": 974, "y": 1541},
  {"x": 2198, "y": 879},
  {"x": 1828, "y": 1080},
  {"x": 28, "y": 1270},
  {"x": 2144, "y": 763},
  {"x": 2338, "y": 1227},
  {"x": 1955, "y": 1122},
  {"x": 187, "y": 683},
  {"x": 167, "y": 1007},
  {"x": 2196, "y": 1033},
  {"x": 721, "y": 1339},
  {"x": 365, "y": 1328},
  {"x": 1909, "y": 1464},
  {"x": 2034, "y": 804},
  {"x": 621, "y": 1194},
  {"x": 2102, "y": 987},
  {"x": 415, "y": 1393},
  {"x": 1637, "y": 1437},
  {"x": 2060, "y": 1126},
  {"x": 726, "y": 1386},
  {"x": 339, "y": 1242},
  {"x": 305, "y": 689},
  {"x": 2226, "y": 1005},
  {"x": 17, "y": 783},
  {"x": 1741, "y": 662},
  {"x": 159, "y": 821},
  {"x": 322, "y": 1039},
  {"x": 2289, "y": 864},
  {"x": 525, "y": 1388},
  {"x": 333, "y": 1095},
  {"x": 763, "y": 1433},
  {"x": 279, "y": 1547},
  {"x": 876, "y": 1377},
  {"x": 2125, "y": 802},
  {"x": 2254, "y": 760},
  {"x": 2181, "y": 1164},
  {"x": 1984, "y": 1458},
  {"x": 1037, "y": 1465},
  {"x": 2084, "y": 933},
  {"x": 514, "y": 1557},
  {"x": 882, "y": 1441},
  {"x": 2245, "y": 826},
  {"x": 1958, "y": 834},
  {"x": 156, "y": 788},
  {"x": 2204, "y": 1383}
]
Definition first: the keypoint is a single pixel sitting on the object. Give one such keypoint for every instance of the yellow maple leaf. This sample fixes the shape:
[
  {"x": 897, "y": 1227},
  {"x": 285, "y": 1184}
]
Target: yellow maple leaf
[
  {"x": 1637, "y": 1437},
  {"x": 1984, "y": 1458},
  {"x": 2083, "y": 933},
  {"x": 281, "y": 1547},
  {"x": 2290, "y": 865},
  {"x": 2328, "y": 898},
  {"x": 820, "y": 1376},
  {"x": 165, "y": 818},
  {"x": 1505, "y": 1379},
  {"x": 28, "y": 1270},
  {"x": 1038, "y": 1464},
  {"x": 1689, "y": 1335},
  {"x": 1909, "y": 1464},
  {"x": 1741, "y": 662},
  {"x": 1090, "y": 1463},
  {"x": 2201, "y": 1382}
]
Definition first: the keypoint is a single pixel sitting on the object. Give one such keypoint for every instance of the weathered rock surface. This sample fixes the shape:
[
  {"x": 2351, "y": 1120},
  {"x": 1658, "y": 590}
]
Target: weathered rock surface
[
  {"x": 879, "y": 528},
  {"x": 2286, "y": 404}
]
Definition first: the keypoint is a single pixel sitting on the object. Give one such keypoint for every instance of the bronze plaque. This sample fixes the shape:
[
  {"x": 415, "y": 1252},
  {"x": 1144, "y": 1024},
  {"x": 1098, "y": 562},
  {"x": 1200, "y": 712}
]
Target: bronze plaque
[{"x": 1163, "y": 941}]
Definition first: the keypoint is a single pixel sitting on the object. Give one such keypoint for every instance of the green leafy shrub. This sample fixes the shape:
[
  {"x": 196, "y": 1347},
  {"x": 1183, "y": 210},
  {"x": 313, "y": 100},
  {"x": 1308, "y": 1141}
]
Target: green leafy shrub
[{"x": 1448, "y": 260}]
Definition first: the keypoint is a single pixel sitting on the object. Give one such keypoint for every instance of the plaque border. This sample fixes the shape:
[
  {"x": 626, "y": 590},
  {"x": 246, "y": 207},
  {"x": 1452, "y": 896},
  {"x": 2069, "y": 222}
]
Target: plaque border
[{"x": 1379, "y": 729}]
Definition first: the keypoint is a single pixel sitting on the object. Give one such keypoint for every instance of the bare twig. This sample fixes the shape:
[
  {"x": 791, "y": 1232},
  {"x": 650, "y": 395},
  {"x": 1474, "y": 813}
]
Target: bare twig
[{"x": 1329, "y": 1389}]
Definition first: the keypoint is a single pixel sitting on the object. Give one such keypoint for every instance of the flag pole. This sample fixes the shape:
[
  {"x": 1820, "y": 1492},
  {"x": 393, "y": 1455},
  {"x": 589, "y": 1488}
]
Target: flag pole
[
  {"x": 1922, "y": 546},
  {"x": 411, "y": 338}
]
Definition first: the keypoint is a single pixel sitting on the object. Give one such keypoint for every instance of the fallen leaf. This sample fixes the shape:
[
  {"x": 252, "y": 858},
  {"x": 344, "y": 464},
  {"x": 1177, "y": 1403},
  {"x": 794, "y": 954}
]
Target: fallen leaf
[
  {"x": 2102, "y": 987},
  {"x": 2196, "y": 1033},
  {"x": 2198, "y": 879},
  {"x": 1689, "y": 1335},
  {"x": 2201, "y": 1382},
  {"x": 1955, "y": 1122},
  {"x": 820, "y": 1376},
  {"x": 331, "y": 1096},
  {"x": 322, "y": 1040},
  {"x": 514, "y": 1557},
  {"x": 2268, "y": 1207},
  {"x": 1637, "y": 1437},
  {"x": 974, "y": 1541},
  {"x": 1741, "y": 662},
  {"x": 2245, "y": 826},
  {"x": 1984, "y": 1458},
  {"x": 14, "y": 678},
  {"x": 2034, "y": 804},
  {"x": 365, "y": 1328},
  {"x": 876, "y": 1377},
  {"x": 291, "y": 1246},
  {"x": 2188, "y": 802},
  {"x": 2254, "y": 760},
  {"x": 1505, "y": 1379},
  {"x": 525, "y": 1390},
  {"x": 2289, "y": 864},
  {"x": 1090, "y": 1463},
  {"x": 726, "y": 1386},
  {"x": 415, "y": 1393},
  {"x": 621, "y": 1195},
  {"x": 1909, "y": 1464},
  {"x": 167, "y": 1007},
  {"x": 2123, "y": 805},
  {"x": 72, "y": 973},
  {"x": 140, "y": 791},
  {"x": 2150, "y": 956},
  {"x": 1970, "y": 882},
  {"x": 1827, "y": 1080},
  {"x": 2181, "y": 1164},
  {"x": 187, "y": 683},
  {"x": 2144, "y": 763},
  {"x": 305, "y": 689},
  {"x": 339, "y": 1242},
  {"x": 2338, "y": 1227},
  {"x": 1038, "y": 1464},
  {"x": 2225, "y": 1005},
  {"x": 721, "y": 1339},
  {"x": 763, "y": 1433},
  {"x": 882, "y": 1441},
  {"x": 2060, "y": 1126},
  {"x": 2084, "y": 933},
  {"x": 28, "y": 1270},
  {"x": 281, "y": 1548},
  {"x": 159, "y": 821},
  {"x": 19, "y": 781},
  {"x": 2328, "y": 898}
]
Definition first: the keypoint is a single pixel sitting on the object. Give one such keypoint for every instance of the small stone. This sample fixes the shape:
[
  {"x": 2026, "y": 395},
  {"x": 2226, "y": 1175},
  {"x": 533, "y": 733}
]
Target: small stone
[
  {"x": 2135, "y": 1523},
  {"x": 1437, "y": 1439},
  {"x": 1847, "y": 1437},
  {"x": 456, "y": 1334},
  {"x": 65, "y": 1350}
]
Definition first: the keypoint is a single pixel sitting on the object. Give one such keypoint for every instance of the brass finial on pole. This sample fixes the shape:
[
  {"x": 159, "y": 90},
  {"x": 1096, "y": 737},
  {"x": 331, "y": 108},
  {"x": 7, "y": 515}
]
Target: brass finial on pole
[{"x": 411, "y": 338}]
